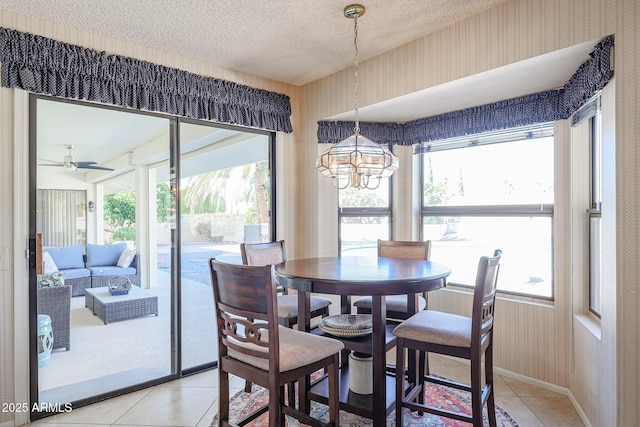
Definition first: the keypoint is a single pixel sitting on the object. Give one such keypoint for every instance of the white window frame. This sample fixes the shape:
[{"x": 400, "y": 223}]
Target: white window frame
[{"x": 529, "y": 210}]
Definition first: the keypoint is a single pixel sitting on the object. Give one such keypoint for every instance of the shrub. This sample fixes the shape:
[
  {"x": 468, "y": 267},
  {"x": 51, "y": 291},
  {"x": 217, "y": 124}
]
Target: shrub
[
  {"x": 201, "y": 227},
  {"x": 124, "y": 234}
]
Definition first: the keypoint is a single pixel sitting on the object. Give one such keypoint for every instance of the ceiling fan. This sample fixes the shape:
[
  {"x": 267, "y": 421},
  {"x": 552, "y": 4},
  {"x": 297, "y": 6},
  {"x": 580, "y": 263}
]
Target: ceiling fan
[{"x": 71, "y": 164}]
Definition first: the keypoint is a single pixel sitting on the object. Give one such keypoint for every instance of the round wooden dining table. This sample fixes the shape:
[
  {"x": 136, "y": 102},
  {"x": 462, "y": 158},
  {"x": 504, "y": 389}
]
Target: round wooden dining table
[{"x": 377, "y": 277}]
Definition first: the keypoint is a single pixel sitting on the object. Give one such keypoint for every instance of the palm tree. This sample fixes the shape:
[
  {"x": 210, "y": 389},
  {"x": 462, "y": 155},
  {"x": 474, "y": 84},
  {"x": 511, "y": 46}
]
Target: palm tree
[
  {"x": 206, "y": 192},
  {"x": 232, "y": 190}
]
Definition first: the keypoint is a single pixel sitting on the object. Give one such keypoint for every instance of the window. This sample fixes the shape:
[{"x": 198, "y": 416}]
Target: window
[
  {"x": 594, "y": 212},
  {"x": 492, "y": 191},
  {"x": 364, "y": 217},
  {"x": 61, "y": 217}
]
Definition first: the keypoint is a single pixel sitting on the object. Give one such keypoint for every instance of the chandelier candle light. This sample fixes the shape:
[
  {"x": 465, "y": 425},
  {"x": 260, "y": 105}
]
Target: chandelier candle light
[{"x": 356, "y": 161}]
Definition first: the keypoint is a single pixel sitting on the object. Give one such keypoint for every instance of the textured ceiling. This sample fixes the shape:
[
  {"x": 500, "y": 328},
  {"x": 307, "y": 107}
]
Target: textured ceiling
[{"x": 292, "y": 41}]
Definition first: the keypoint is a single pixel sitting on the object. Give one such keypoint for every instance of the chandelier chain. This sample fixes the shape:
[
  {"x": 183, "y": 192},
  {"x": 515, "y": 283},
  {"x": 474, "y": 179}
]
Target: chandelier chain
[
  {"x": 356, "y": 161},
  {"x": 355, "y": 72}
]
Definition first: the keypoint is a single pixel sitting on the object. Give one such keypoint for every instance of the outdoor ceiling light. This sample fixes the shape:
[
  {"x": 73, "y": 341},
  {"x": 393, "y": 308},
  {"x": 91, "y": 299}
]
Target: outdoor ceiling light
[{"x": 356, "y": 161}]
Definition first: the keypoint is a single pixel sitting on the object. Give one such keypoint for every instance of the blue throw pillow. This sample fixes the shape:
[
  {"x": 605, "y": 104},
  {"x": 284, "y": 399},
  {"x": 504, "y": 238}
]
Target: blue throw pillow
[
  {"x": 66, "y": 257},
  {"x": 101, "y": 255}
]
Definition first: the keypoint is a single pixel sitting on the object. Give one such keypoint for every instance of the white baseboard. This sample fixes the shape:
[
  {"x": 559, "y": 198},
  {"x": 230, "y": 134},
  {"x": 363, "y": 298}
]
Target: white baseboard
[
  {"x": 547, "y": 386},
  {"x": 579, "y": 410},
  {"x": 532, "y": 381}
]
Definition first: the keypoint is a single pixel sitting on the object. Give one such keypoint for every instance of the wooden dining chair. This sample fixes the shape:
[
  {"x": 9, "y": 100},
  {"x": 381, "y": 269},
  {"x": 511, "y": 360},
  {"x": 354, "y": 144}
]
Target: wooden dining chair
[
  {"x": 271, "y": 253},
  {"x": 397, "y": 305},
  {"x": 274, "y": 253},
  {"x": 454, "y": 335},
  {"x": 254, "y": 346}
]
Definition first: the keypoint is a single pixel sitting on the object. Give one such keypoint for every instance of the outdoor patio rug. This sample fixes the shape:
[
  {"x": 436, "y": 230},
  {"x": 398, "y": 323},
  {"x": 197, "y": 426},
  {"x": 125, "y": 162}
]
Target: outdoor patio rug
[{"x": 243, "y": 404}]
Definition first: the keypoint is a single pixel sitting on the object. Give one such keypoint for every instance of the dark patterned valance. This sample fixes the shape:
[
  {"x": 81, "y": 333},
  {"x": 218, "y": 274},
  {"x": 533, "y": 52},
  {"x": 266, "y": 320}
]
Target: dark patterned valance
[
  {"x": 537, "y": 108},
  {"x": 590, "y": 77},
  {"x": 382, "y": 133},
  {"x": 42, "y": 65},
  {"x": 548, "y": 106}
]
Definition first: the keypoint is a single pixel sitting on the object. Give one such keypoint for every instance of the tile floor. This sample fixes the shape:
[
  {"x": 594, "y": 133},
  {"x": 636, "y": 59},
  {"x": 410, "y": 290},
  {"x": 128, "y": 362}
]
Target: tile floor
[{"x": 192, "y": 402}]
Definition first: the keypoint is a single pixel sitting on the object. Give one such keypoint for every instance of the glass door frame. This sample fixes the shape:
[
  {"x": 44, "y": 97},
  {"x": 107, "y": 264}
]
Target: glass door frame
[
  {"x": 174, "y": 169},
  {"x": 34, "y": 392},
  {"x": 272, "y": 207}
]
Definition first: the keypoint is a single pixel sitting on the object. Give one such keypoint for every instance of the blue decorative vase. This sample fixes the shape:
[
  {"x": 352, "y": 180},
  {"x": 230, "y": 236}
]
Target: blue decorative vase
[{"x": 45, "y": 340}]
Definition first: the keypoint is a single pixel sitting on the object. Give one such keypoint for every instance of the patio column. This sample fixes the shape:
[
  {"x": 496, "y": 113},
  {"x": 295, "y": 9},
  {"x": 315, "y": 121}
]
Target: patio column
[{"x": 146, "y": 222}]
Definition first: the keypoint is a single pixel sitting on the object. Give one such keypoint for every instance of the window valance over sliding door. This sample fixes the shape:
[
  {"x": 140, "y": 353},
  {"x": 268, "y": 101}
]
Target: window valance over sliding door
[{"x": 42, "y": 65}]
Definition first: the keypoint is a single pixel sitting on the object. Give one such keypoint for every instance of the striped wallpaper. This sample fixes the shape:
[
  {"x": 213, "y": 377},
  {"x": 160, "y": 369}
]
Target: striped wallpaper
[{"x": 533, "y": 338}]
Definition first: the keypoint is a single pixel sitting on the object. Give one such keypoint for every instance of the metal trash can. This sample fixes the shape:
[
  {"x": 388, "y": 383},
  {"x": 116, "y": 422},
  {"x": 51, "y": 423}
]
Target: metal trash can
[{"x": 45, "y": 340}]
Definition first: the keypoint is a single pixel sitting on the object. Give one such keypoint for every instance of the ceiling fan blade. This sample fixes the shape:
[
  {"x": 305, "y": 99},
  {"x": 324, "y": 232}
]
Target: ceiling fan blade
[
  {"x": 83, "y": 165},
  {"x": 91, "y": 165},
  {"x": 52, "y": 162}
]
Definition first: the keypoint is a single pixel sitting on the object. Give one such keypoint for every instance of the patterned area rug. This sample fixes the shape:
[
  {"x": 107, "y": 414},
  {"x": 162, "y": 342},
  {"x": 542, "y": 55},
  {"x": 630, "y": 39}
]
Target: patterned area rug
[{"x": 243, "y": 404}]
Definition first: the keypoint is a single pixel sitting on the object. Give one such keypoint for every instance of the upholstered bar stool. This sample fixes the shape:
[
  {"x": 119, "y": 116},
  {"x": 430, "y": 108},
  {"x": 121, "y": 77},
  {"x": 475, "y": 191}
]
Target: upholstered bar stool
[
  {"x": 398, "y": 305},
  {"x": 271, "y": 253},
  {"x": 253, "y": 346},
  {"x": 459, "y": 336}
]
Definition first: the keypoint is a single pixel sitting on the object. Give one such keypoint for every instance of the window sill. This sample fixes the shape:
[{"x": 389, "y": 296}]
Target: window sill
[
  {"x": 591, "y": 324},
  {"x": 503, "y": 296}
]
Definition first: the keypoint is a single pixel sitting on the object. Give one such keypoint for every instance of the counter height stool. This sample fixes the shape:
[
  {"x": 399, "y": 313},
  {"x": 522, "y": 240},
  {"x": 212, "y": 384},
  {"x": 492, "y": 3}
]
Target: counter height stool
[
  {"x": 253, "y": 346},
  {"x": 271, "y": 253},
  {"x": 397, "y": 305},
  {"x": 459, "y": 336}
]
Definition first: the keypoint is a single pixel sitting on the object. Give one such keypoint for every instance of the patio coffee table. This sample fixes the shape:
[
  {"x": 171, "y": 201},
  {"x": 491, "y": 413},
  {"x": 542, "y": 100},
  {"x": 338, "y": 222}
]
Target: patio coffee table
[{"x": 110, "y": 308}]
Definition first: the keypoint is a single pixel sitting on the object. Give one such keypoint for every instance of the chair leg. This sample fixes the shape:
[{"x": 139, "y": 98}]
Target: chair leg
[
  {"x": 399, "y": 380},
  {"x": 223, "y": 397},
  {"x": 291, "y": 394},
  {"x": 426, "y": 370},
  {"x": 281, "y": 415},
  {"x": 247, "y": 386},
  {"x": 476, "y": 390},
  {"x": 275, "y": 406},
  {"x": 334, "y": 392},
  {"x": 488, "y": 369},
  {"x": 423, "y": 363}
]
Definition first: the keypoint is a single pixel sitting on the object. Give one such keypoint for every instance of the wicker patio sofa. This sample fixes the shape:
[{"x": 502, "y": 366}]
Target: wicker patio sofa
[
  {"x": 93, "y": 269},
  {"x": 104, "y": 262},
  {"x": 100, "y": 276},
  {"x": 55, "y": 302},
  {"x": 68, "y": 260}
]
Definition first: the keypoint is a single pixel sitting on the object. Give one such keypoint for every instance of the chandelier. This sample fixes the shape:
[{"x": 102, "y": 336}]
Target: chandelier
[{"x": 356, "y": 161}]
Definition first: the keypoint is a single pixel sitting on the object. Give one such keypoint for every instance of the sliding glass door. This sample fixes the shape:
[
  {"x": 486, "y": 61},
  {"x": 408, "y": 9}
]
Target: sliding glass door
[
  {"x": 225, "y": 199},
  {"x": 106, "y": 216},
  {"x": 139, "y": 202}
]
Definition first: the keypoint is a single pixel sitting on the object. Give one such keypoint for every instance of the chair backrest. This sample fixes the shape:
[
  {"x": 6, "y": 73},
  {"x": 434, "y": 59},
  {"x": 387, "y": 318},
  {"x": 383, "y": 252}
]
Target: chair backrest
[
  {"x": 260, "y": 254},
  {"x": 244, "y": 298},
  {"x": 263, "y": 253},
  {"x": 404, "y": 249},
  {"x": 484, "y": 297}
]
